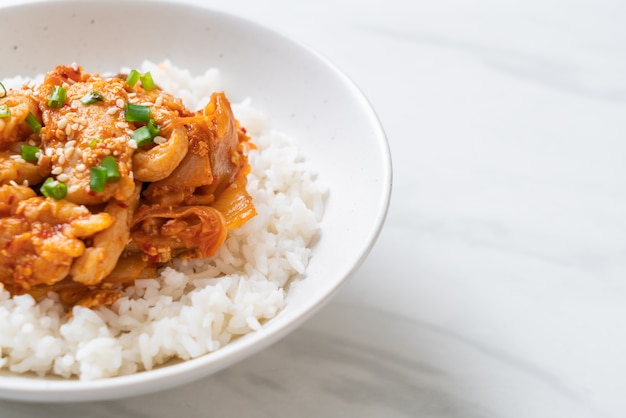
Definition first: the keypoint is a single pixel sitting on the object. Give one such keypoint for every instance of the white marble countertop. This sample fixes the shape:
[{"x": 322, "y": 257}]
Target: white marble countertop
[{"x": 498, "y": 285}]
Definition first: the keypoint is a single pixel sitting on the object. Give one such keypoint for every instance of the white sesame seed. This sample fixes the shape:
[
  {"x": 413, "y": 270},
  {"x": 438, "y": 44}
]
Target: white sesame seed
[
  {"x": 69, "y": 152},
  {"x": 121, "y": 125},
  {"x": 158, "y": 101},
  {"x": 75, "y": 126},
  {"x": 119, "y": 103},
  {"x": 62, "y": 123},
  {"x": 132, "y": 143},
  {"x": 13, "y": 183},
  {"x": 25, "y": 183},
  {"x": 112, "y": 110},
  {"x": 15, "y": 157},
  {"x": 81, "y": 167},
  {"x": 133, "y": 95},
  {"x": 31, "y": 142},
  {"x": 74, "y": 66},
  {"x": 146, "y": 104},
  {"x": 61, "y": 159},
  {"x": 66, "y": 86},
  {"x": 63, "y": 177},
  {"x": 78, "y": 152},
  {"x": 70, "y": 144},
  {"x": 58, "y": 151},
  {"x": 159, "y": 140},
  {"x": 75, "y": 104},
  {"x": 49, "y": 152},
  {"x": 68, "y": 130},
  {"x": 56, "y": 171},
  {"x": 73, "y": 188}
]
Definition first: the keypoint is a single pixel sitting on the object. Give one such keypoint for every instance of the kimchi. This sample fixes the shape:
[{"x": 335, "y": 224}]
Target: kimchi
[{"x": 105, "y": 179}]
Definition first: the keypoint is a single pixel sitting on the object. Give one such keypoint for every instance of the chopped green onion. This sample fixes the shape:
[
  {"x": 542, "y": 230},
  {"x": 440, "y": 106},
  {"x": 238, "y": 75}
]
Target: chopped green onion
[
  {"x": 109, "y": 163},
  {"x": 98, "y": 179},
  {"x": 147, "y": 82},
  {"x": 92, "y": 97},
  {"x": 137, "y": 113},
  {"x": 4, "y": 91},
  {"x": 132, "y": 78},
  {"x": 33, "y": 123},
  {"x": 142, "y": 136},
  {"x": 29, "y": 153},
  {"x": 57, "y": 97},
  {"x": 5, "y": 112},
  {"x": 53, "y": 188},
  {"x": 154, "y": 128},
  {"x": 93, "y": 142}
]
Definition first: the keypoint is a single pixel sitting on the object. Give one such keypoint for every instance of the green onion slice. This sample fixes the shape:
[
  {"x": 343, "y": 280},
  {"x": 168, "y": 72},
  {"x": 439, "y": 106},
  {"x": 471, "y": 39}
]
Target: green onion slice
[
  {"x": 147, "y": 82},
  {"x": 92, "y": 97},
  {"x": 5, "y": 112},
  {"x": 4, "y": 91},
  {"x": 142, "y": 136},
  {"x": 33, "y": 123},
  {"x": 154, "y": 128},
  {"x": 137, "y": 113},
  {"x": 29, "y": 153},
  {"x": 53, "y": 188},
  {"x": 97, "y": 179},
  {"x": 132, "y": 78},
  {"x": 110, "y": 164},
  {"x": 93, "y": 142},
  {"x": 57, "y": 97}
]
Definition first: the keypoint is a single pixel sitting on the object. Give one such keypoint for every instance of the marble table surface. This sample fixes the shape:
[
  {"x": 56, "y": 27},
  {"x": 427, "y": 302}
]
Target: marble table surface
[{"x": 497, "y": 287}]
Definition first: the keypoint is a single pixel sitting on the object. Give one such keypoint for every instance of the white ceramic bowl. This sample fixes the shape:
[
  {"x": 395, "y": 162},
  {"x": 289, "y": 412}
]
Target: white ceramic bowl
[{"x": 301, "y": 93}]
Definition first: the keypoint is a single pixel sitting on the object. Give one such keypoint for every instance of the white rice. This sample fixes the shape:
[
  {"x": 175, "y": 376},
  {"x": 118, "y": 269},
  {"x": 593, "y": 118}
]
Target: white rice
[{"x": 199, "y": 306}]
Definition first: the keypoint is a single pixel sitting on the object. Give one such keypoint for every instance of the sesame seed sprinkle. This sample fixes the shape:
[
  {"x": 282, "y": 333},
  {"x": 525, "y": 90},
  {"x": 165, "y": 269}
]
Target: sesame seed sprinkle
[
  {"x": 159, "y": 140},
  {"x": 56, "y": 171},
  {"x": 63, "y": 177},
  {"x": 119, "y": 103}
]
